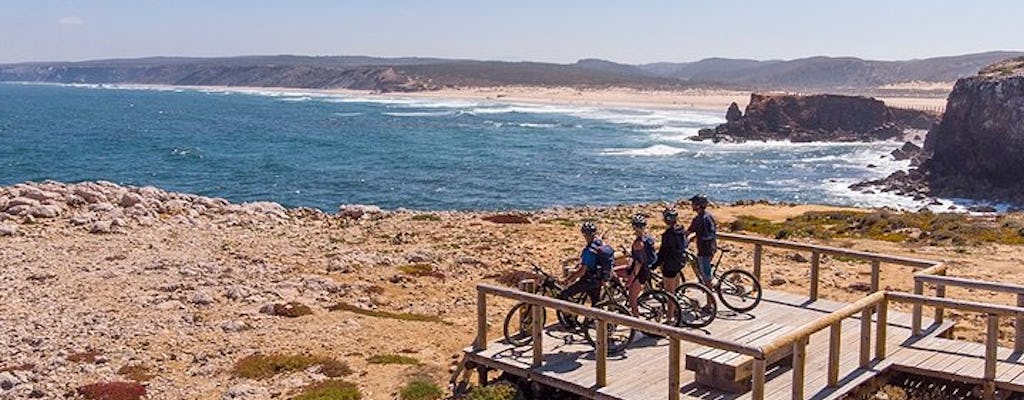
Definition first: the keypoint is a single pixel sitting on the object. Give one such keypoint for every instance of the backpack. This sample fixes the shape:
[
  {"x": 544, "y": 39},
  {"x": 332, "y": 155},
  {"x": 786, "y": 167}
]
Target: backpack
[{"x": 605, "y": 259}]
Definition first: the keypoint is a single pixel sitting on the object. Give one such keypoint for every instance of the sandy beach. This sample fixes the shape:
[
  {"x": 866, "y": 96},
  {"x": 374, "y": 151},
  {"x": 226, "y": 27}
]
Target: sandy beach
[{"x": 690, "y": 99}]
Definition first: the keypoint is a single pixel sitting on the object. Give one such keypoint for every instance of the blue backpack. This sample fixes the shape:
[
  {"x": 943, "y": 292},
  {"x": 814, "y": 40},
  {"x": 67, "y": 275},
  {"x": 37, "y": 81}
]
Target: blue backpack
[{"x": 605, "y": 259}]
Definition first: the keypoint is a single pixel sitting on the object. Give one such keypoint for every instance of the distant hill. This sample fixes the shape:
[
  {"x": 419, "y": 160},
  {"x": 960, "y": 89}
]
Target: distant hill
[{"x": 413, "y": 74}]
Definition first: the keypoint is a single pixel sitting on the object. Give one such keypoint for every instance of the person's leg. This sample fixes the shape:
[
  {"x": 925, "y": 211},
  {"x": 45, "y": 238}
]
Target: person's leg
[
  {"x": 634, "y": 293},
  {"x": 670, "y": 284},
  {"x": 704, "y": 264}
]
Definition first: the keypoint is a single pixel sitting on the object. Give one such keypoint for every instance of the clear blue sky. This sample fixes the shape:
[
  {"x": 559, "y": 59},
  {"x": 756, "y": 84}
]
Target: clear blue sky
[{"x": 556, "y": 31}]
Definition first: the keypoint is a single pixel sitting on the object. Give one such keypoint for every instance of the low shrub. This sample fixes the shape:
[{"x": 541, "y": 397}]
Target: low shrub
[
  {"x": 330, "y": 390},
  {"x": 112, "y": 391},
  {"x": 138, "y": 373},
  {"x": 88, "y": 357},
  {"x": 421, "y": 390},
  {"x": 292, "y": 309},
  {"x": 21, "y": 367},
  {"x": 261, "y": 366},
  {"x": 498, "y": 391},
  {"x": 507, "y": 219},
  {"x": 342, "y": 306},
  {"x": 392, "y": 359},
  {"x": 421, "y": 270},
  {"x": 426, "y": 217}
]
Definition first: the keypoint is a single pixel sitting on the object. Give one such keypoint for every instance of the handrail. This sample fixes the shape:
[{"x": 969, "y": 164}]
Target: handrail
[
  {"x": 910, "y": 262},
  {"x": 823, "y": 322},
  {"x": 963, "y": 305},
  {"x": 971, "y": 283},
  {"x": 620, "y": 319}
]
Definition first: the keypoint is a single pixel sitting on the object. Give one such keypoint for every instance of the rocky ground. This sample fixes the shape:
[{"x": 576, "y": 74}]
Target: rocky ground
[{"x": 97, "y": 277}]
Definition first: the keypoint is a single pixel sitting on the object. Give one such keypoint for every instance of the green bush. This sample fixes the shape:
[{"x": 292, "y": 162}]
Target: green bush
[
  {"x": 421, "y": 390},
  {"x": 499, "y": 391},
  {"x": 426, "y": 217},
  {"x": 342, "y": 306},
  {"x": 330, "y": 390},
  {"x": 392, "y": 359}
]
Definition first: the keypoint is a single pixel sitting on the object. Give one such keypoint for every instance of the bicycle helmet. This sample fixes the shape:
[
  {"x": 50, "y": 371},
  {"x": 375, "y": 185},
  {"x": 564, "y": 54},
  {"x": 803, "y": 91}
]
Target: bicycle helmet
[
  {"x": 639, "y": 221},
  {"x": 670, "y": 214},
  {"x": 589, "y": 228},
  {"x": 700, "y": 200}
]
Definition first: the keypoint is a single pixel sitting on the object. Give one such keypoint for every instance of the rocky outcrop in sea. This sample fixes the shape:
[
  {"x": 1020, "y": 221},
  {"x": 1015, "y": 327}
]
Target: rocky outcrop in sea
[
  {"x": 823, "y": 117},
  {"x": 977, "y": 150}
]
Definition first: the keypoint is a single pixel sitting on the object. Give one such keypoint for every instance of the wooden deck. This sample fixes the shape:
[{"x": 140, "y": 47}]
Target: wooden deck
[{"x": 641, "y": 371}]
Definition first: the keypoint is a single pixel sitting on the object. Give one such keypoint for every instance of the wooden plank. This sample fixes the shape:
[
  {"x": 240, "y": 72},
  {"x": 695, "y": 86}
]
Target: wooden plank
[
  {"x": 834, "y": 348},
  {"x": 876, "y": 267},
  {"x": 865, "y": 337},
  {"x": 799, "y": 364},
  {"x": 481, "y": 321},
  {"x": 971, "y": 283},
  {"x": 915, "y": 327},
  {"x": 538, "y": 335},
  {"x": 963, "y": 305},
  {"x": 602, "y": 355},
  {"x": 1018, "y": 327},
  {"x": 880, "y": 326},
  {"x": 758, "y": 255},
  {"x": 889, "y": 259},
  {"x": 673, "y": 369},
  {"x": 815, "y": 274},
  {"x": 757, "y": 380},
  {"x": 991, "y": 342}
]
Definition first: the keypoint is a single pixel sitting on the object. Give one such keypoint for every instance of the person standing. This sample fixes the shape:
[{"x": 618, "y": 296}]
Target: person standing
[
  {"x": 705, "y": 232},
  {"x": 642, "y": 256},
  {"x": 671, "y": 253}
]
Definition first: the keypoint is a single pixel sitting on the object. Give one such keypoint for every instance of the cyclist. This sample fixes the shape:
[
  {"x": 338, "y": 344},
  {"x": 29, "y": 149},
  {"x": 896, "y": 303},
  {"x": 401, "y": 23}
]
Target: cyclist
[
  {"x": 594, "y": 267},
  {"x": 671, "y": 254},
  {"x": 704, "y": 230},
  {"x": 642, "y": 256}
]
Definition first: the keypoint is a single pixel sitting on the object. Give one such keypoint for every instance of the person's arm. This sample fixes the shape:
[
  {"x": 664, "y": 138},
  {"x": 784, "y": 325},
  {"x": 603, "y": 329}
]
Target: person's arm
[{"x": 660, "y": 259}]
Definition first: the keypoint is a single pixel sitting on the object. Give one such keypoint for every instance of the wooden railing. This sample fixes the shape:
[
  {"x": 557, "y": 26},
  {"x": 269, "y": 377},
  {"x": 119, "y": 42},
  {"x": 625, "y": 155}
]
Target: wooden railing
[
  {"x": 941, "y": 282},
  {"x": 816, "y": 252},
  {"x": 993, "y": 313},
  {"x": 603, "y": 318}
]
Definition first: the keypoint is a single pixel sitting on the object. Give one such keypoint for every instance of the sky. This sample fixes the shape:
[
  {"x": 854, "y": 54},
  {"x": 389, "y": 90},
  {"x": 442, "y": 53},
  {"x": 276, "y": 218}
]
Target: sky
[{"x": 552, "y": 31}]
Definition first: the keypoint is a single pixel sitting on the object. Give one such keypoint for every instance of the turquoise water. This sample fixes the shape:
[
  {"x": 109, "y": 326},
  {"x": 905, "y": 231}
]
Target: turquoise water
[{"x": 325, "y": 150}]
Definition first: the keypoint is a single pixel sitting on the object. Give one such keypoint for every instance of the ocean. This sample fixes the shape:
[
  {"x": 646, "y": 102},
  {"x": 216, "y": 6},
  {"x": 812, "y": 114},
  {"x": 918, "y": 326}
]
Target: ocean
[{"x": 320, "y": 150}]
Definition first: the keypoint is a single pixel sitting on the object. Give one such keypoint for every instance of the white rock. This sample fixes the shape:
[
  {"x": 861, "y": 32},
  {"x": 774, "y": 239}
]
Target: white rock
[
  {"x": 80, "y": 219},
  {"x": 8, "y": 381},
  {"x": 101, "y": 207},
  {"x": 89, "y": 196},
  {"x": 8, "y": 230},
  {"x": 100, "y": 227},
  {"x": 246, "y": 391},
  {"x": 45, "y": 211},
  {"x": 237, "y": 293},
  {"x": 357, "y": 211},
  {"x": 202, "y": 298},
  {"x": 22, "y": 201},
  {"x": 235, "y": 326},
  {"x": 130, "y": 199},
  {"x": 169, "y": 305},
  {"x": 173, "y": 206}
]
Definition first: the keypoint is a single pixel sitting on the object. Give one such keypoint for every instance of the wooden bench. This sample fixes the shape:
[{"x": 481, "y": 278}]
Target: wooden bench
[{"x": 729, "y": 371}]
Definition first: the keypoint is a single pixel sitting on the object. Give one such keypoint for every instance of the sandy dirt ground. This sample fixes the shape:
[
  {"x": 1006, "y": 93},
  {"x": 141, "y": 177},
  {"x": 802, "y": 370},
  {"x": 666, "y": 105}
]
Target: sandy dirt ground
[{"x": 176, "y": 283}]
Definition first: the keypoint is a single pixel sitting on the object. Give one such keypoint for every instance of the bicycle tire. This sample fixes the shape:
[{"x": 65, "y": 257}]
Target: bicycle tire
[
  {"x": 738, "y": 297},
  {"x": 521, "y": 335},
  {"x": 698, "y": 307},
  {"x": 572, "y": 321},
  {"x": 654, "y": 306},
  {"x": 619, "y": 336}
]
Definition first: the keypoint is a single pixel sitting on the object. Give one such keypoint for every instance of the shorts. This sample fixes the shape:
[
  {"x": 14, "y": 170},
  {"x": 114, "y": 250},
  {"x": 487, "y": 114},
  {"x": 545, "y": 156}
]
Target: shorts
[
  {"x": 644, "y": 275},
  {"x": 704, "y": 265},
  {"x": 671, "y": 273}
]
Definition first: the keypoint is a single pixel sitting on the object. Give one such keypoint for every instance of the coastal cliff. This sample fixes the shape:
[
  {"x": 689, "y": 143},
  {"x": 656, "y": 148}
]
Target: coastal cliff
[
  {"x": 977, "y": 150},
  {"x": 823, "y": 117}
]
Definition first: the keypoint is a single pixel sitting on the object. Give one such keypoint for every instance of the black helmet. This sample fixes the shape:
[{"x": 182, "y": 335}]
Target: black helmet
[
  {"x": 639, "y": 220},
  {"x": 589, "y": 228},
  {"x": 670, "y": 214},
  {"x": 700, "y": 200}
]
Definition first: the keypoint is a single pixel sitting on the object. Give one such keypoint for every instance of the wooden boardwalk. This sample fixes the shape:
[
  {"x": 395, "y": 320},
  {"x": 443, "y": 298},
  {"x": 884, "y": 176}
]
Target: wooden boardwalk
[
  {"x": 641, "y": 371},
  {"x": 790, "y": 347}
]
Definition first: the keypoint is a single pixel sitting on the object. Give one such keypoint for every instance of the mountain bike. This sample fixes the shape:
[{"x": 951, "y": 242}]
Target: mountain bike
[
  {"x": 697, "y": 306},
  {"x": 518, "y": 325},
  {"x": 738, "y": 290}
]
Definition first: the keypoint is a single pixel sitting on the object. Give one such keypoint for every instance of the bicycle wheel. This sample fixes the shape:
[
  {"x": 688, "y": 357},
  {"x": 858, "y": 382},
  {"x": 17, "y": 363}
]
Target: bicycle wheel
[
  {"x": 697, "y": 306},
  {"x": 619, "y": 336},
  {"x": 518, "y": 326},
  {"x": 658, "y": 306},
  {"x": 572, "y": 321},
  {"x": 739, "y": 290}
]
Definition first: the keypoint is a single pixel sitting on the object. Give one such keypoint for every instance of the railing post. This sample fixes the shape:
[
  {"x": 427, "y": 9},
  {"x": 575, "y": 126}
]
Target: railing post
[
  {"x": 915, "y": 321},
  {"x": 757, "y": 379},
  {"x": 835, "y": 339},
  {"x": 758, "y": 253},
  {"x": 991, "y": 341},
  {"x": 815, "y": 267},
  {"x": 673, "y": 368},
  {"x": 799, "y": 364},
  {"x": 1018, "y": 337},
  {"x": 538, "y": 334},
  {"x": 865, "y": 337},
  {"x": 940, "y": 291},
  {"x": 602, "y": 354},
  {"x": 876, "y": 270},
  {"x": 481, "y": 321},
  {"x": 880, "y": 326}
]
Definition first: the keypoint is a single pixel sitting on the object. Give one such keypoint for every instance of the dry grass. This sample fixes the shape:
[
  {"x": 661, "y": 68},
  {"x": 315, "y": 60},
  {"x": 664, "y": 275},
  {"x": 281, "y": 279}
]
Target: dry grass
[
  {"x": 292, "y": 310},
  {"x": 138, "y": 373},
  {"x": 342, "y": 306},
  {"x": 421, "y": 270},
  {"x": 260, "y": 366},
  {"x": 392, "y": 359},
  {"x": 421, "y": 389},
  {"x": 22, "y": 367},
  {"x": 88, "y": 357}
]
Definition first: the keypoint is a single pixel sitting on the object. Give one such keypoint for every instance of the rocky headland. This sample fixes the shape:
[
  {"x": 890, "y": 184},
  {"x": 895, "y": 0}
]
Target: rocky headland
[
  {"x": 977, "y": 149},
  {"x": 823, "y": 117},
  {"x": 178, "y": 295}
]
